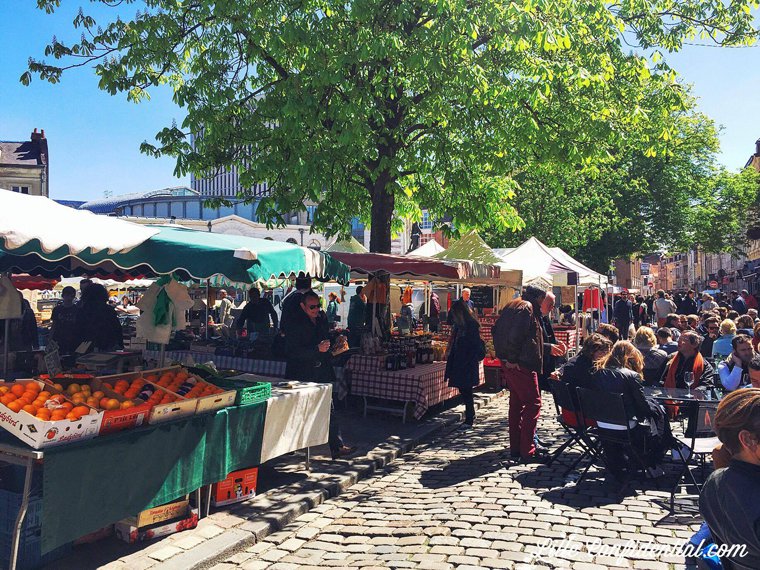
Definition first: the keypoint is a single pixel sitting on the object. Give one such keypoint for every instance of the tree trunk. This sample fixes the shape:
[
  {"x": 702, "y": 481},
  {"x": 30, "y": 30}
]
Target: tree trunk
[{"x": 383, "y": 203}]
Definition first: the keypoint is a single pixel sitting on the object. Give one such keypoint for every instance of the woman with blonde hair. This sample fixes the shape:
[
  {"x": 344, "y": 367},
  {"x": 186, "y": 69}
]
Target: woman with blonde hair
[
  {"x": 722, "y": 345},
  {"x": 654, "y": 358}
]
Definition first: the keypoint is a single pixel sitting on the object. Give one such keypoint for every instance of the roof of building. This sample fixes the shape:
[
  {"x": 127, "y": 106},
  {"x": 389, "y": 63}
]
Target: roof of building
[
  {"x": 26, "y": 153},
  {"x": 70, "y": 203},
  {"x": 109, "y": 205}
]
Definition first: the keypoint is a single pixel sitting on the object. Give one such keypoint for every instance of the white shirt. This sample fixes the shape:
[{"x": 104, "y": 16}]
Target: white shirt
[{"x": 731, "y": 379}]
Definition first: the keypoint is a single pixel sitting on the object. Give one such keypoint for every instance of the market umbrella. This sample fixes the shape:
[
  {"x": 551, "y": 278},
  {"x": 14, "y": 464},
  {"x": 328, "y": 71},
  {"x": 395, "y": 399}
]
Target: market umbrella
[
  {"x": 350, "y": 245},
  {"x": 25, "y": 281},
  {"x": 188, "y": 254},
  {"x": 36, "y": 224}
]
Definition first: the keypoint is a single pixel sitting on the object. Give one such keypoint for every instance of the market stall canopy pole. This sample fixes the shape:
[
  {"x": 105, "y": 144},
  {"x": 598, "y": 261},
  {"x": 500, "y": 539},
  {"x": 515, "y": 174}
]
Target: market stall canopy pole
[{"x": 42, "y": 225}]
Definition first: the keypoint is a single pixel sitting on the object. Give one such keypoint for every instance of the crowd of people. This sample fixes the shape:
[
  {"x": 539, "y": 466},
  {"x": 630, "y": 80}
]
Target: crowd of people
[{"x": 674, "y": 342}]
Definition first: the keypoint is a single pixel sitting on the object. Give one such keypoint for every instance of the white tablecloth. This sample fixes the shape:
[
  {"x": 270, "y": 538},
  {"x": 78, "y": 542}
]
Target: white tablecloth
[{"x": 298, "y": 417}]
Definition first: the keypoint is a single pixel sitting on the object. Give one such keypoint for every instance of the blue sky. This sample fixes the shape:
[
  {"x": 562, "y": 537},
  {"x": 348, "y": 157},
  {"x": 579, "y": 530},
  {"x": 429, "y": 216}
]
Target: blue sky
[{"x": 94, "y": 138}]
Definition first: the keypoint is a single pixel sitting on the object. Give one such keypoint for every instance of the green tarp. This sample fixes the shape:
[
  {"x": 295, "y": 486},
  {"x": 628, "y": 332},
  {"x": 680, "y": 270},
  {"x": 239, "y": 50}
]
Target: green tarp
[{"x": 90, "y": 485}]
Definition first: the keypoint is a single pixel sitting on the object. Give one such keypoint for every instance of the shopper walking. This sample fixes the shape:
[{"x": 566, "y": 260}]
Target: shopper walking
[
  {"x": 467, "y": 350},
  {"x": 518, "y": 341}
]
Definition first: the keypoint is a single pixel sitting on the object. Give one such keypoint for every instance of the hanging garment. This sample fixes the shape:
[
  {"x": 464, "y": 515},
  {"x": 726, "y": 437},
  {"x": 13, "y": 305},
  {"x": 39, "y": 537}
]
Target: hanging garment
[
  {"x": 592, "y": 299},
  {"x": 163, "y": 307},
  {"x": 10, "y": 299}
]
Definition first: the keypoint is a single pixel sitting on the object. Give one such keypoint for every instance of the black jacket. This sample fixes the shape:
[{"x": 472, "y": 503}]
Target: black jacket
[
  {"x": 708, "y": 374},
  {"x": 577, "y": 371},
  {"x": 304, "y": 361},
  {"x": 98, "y": 323},
  {"x": 730, "y": 505},
  {"x": 549, "y": 361},
  {"x": 257, "y": 313},
  {"x": 622, "y": 381},
  {"x": 689, "y": 306},
  {"x": 463, "y": 362},
  {"x": 517, "y": 336},
  {"x": 623, "y": 312}
]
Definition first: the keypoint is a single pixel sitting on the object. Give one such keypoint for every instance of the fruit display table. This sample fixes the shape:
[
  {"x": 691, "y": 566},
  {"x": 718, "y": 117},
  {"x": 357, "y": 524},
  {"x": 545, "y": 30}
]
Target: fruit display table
[
  {"x": 275, "y": 368},
  {"x": 424, "y": 385},
  {"x": 88, "y": 485}
]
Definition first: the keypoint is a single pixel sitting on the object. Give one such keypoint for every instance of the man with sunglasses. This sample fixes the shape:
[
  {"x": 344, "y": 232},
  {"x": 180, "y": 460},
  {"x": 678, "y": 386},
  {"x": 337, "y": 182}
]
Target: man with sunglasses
[
  {"x": 308, "y": 356},
  {"x": 711, "y": 328}
]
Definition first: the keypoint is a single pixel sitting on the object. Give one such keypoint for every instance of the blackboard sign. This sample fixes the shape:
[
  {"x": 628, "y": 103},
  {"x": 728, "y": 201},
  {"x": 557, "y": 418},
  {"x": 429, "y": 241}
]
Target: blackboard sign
[{"x": 482, "y": 297}]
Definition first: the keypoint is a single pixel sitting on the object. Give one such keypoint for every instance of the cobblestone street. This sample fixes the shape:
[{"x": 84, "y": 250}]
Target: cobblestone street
[{"x": 460, "y": 502}]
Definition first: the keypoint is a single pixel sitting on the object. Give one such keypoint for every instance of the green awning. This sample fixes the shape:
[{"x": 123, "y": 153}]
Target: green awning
[{"x": 189, "y": 254}]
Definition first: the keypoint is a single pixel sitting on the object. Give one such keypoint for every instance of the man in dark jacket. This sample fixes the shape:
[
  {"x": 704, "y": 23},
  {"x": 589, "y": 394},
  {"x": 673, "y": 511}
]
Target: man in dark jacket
[
  {"x": 623, "y": 313},
  {"x": 689, "y": 304},
  {"x": 256, "y": 314},
  {"x": 519, "y": 343},
  {"x": 688, "y": 359},
  {"x": 308, "y": 357},
  {"x": 738, "y": 304}
]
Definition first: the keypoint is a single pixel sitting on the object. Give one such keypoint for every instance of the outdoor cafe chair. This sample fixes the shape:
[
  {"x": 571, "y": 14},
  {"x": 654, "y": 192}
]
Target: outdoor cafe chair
[
  {"x": 609, "y": 408},
  {"x": 579, "y": 434},
  {"x": 698, "y": 442}
]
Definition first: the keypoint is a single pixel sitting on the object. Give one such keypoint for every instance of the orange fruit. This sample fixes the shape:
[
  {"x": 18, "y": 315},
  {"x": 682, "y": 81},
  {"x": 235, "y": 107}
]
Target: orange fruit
[
  {"x": 15, "y": 406},
  {"x": 43, "y": 414},
  {"x": 33, "y": 386},
  {"x": 104, "y": 402},
  {"x": 72, "y": 416},
  {"x": 7, "y": 399},
  {"x": 27, "y": 398},
  {"x": 81, "y": 410},
  {"x": 4, "y": 390},
  {"x": 30, "y": 409},
  {"x": 73, "y": 389},
  {"x": 18, "y": 389},
  {"x": 113, "y": 404},
  {"x": 126, "y": 404},
  {"x": 98, "y": 395},
  {"x": 68, "y": 406},
  {"x": 107, "y": 386},
  {"x": 44, "y": 394},
  {"x": 58, "y": 387},
  {"x": 57, "y": 415}
]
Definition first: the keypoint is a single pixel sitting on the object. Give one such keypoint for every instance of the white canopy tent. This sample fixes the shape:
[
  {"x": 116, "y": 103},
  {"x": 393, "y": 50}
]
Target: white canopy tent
[
  {"x": 428, "y": 250},
  {"x": 547, "y": 266}
]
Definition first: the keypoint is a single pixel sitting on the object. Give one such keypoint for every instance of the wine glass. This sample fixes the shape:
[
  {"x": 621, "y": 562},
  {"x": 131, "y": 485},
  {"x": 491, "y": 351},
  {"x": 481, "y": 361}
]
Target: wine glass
[{"x": 688, "y": 378}]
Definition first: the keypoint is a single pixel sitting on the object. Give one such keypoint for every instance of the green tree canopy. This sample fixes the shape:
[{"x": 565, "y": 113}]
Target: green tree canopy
[{"x": 374, "y": 108}]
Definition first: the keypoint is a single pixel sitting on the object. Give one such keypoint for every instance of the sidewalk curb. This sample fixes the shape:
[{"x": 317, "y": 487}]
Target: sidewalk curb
[{"x": 309, "y": 493}]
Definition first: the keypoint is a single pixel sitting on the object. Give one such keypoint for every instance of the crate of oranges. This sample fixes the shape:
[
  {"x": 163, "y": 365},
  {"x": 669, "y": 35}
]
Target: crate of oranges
[
  {"x": 42, "y": 416},
  {"x": 208, "y": 397},
  {"x": 139, "y": 387}
]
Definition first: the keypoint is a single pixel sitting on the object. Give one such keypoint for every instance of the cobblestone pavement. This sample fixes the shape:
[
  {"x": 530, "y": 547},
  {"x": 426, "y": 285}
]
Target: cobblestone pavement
[{"x": 459, "y": 502}]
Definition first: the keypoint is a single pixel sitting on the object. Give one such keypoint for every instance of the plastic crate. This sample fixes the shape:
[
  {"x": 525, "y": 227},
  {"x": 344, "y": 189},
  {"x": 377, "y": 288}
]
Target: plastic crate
[
  {"x": 247, "y": 392},
  {"x": 10, "y": 503},
  {"x": 29, "y": 550}
]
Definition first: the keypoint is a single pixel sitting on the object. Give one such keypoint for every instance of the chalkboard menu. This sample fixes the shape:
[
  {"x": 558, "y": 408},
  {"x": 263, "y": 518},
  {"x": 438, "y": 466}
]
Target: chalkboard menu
[{"x": 482, "y": 297}]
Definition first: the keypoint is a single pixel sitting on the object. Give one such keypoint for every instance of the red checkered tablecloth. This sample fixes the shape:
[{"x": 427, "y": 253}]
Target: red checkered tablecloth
[
  {"x": 567, "y": 336},
  {"x": 424, "y": 385}
]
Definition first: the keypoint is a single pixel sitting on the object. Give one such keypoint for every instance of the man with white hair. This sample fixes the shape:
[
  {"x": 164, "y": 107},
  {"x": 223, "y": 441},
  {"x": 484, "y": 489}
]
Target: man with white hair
[{"x": 465, "y": 299}]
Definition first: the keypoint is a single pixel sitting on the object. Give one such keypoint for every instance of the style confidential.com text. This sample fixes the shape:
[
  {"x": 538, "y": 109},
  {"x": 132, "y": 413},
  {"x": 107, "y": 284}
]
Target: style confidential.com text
[{"x": 633, "y": 549}]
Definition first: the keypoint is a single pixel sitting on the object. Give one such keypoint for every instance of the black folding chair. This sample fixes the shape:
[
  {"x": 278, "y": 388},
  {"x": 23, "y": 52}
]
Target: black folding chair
[
  {"x": 579, "y": 434},
  {"x": 696, "y": 445},
  {"x": 609, "y": 408}
]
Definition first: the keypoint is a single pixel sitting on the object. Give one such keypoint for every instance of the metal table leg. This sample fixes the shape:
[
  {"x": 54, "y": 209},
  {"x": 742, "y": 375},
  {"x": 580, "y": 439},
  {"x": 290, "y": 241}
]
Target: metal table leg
[
  {"x": 307, "y": 459},
  {"x": 208, "y": 499},
  {"x": 198, "y": 501},
  {"x": 21, "y": 513}
]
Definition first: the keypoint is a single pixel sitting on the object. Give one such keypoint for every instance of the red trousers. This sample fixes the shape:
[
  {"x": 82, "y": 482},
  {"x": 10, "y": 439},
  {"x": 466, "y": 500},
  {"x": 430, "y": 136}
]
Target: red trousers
[{"x": 524, "y": 409}]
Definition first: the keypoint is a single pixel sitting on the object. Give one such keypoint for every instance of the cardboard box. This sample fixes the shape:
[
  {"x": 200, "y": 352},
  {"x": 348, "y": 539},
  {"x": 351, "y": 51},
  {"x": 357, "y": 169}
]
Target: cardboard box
[
  {"x": 129, "y": 531},
  {"x": 238, "y": 486},
  {"x": 175, "y": 510},
  {"x": 40, "y": 434}
]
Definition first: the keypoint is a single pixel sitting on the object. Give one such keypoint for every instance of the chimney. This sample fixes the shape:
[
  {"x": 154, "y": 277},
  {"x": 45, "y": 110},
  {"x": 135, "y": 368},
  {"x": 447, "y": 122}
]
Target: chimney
[
  {"x": 37, "y": 136},
  {"x": 757, "y": 147}
]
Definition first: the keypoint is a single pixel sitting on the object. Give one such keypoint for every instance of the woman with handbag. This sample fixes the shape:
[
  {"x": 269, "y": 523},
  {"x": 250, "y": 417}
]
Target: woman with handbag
[{"x": 466, "y": 350}]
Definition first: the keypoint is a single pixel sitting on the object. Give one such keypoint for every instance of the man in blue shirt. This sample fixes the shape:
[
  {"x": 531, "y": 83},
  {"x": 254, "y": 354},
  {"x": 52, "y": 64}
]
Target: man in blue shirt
[{"x": 734, "y": 370}]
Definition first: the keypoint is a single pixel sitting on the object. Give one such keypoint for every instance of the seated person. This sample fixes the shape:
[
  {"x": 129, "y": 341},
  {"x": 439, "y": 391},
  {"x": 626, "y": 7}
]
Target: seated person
[
  {"x": 688, "y": 359},
  {"x": 734, "y": 370},
  {"x": 654, "y": 358},
  {"x": 665, "y": 340},
  {"x": 722, "y": 345},
  {"x": 673, "y": 322},
  {"x": 621, "y": 374},
  {"x": 608, "y": 331},
  {"x": 578, "y": 370},
  {"x": 730, "y": 499},
  {"x": 721, "y": 456},
  {"x": 745, "y": 325},
  {"x": 711, "y": 328}
]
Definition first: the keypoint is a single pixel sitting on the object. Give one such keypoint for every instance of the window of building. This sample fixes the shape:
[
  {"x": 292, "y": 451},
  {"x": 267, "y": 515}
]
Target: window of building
[
  {"x": 426, "y": 224},
  {"x": 20, "y": 189},
  {"x": 357, "y": 230},
  {"x": 310, "y": 211}
]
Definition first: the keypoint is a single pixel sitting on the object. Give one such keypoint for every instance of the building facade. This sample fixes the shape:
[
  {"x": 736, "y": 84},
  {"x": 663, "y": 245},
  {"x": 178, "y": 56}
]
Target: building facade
[
  {"x": 628, "y": 274},
  {"x": 25, "y": 165}
]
